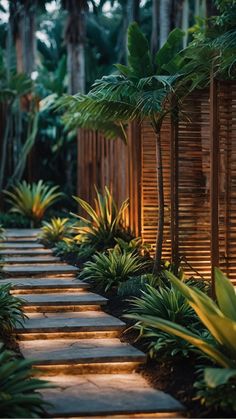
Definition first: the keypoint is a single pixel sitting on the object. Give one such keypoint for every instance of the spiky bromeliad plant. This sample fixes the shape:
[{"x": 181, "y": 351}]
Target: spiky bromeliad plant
[
  {"x": 105, "y": 223},
  {"x": 55, "y": 230},
  {"x": 11, "y": 312},
  {"x": 32, "y": 200},
  {"x": 142, "y": 89}
]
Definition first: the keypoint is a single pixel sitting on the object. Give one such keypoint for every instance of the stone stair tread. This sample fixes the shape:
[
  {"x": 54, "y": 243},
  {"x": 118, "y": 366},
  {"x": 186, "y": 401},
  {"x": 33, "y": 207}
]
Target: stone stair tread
[
  {"x": 65, "y": 298},
  {"x": 17, "y": 245},
  {"x": 25, "y": 252},
  {"x": 70, "y": 321},
  {"x": 34, "y": 283},
  {"x": 22, "y": 232},
  {"x": 66, "y": 351},
  {"x": 105, "y": 394},
  {"x": 31, "y": 259},
  {"x": 27, "y": 270}
]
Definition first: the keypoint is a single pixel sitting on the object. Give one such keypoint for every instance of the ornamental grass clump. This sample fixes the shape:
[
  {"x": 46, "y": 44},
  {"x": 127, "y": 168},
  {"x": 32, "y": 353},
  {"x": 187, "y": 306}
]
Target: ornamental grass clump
[
  {"x": 112, "y": 268},
  {"x": 32, "y": 200},
  {"x": 104, "y": 223}
]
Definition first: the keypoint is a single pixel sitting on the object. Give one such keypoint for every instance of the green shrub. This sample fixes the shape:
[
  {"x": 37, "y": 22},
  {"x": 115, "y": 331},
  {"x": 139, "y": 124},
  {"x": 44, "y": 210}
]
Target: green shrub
[
  {"x": 2, "y": 233},
  {"x": 14, "y": 220},
  {"x": 104, "y": 224},
  {"x": 112, "y": 268},
  {"x": 165, "y": 303},
  {"x": 57, "y": 229},
  {"x": 136, "y": 284},
  {"x": 19, "y": 396},
  {"x": 80, "y": 253},
  {"x": 32, "y": 200},
  {"x": 11, "y": 313}
]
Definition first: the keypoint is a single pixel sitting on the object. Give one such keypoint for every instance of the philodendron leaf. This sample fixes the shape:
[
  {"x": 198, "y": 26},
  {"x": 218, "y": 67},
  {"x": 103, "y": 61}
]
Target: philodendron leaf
[
  {"x": 225, "y": 293},
  {"x": 215, "y": 377},
  {"x": 139, "y": 57}
]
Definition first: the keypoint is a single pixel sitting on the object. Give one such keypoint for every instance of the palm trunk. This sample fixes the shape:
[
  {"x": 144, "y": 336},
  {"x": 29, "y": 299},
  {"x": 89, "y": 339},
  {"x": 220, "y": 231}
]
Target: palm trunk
[
  {"x": 185, "y": 22},
  {"x": 155, "y": 26},
  {"x": 161, "y": 203},
  {"x": 165, "y": 20}
]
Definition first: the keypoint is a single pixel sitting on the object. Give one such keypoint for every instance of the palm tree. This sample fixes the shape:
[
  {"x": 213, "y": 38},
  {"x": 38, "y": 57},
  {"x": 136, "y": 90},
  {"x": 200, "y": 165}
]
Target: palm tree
[
  {"x": 140, "y": 91},
  {"x": 165, "y": 20}
]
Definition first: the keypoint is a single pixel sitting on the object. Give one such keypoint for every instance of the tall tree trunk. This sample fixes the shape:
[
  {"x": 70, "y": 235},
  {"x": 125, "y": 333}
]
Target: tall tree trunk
[
  {"x": 185, "y": 22},
  {"x": 165, "y": 20},
  {"x": 161, "y": 203},
  {"x": 133, "y": 11},
  {"x": 155, "y": 26}
]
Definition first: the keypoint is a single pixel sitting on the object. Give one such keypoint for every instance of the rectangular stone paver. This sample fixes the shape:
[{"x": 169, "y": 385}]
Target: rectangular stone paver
[
  {"x": 35, "y": 270},
  {"x": 105, "y": 394},
  {"x": 31, "y": 259},
  {"x": 65, "y": 298},
  {"x": 67, "y": 351},
  {"x": 17, "y": 245},
  {"x": 46, "y": 283},
  {"x": 22, "y": 232},
  {"x": 70, "y": 322},
  {"x": 25, "y": 252}
]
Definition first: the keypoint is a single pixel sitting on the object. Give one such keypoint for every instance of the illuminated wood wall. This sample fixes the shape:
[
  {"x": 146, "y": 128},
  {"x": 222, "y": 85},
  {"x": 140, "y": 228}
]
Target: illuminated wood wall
[{"x": 199, "y": 157}]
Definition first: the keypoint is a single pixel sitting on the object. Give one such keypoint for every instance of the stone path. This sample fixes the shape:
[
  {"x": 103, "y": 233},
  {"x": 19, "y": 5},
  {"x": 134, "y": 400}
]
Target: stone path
[{"x": 74, "y": 343}]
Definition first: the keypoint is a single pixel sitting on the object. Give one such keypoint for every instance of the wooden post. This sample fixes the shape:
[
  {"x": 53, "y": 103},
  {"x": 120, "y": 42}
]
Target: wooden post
[
  {"x": 174, "y": 160},
  {"x": 134, "y": 158},
  {"x": 214, "y": 180}
]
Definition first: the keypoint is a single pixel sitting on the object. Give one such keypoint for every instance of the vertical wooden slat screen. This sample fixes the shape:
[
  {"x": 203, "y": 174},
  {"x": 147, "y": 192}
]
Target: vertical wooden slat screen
[{"x": 193, "y": 177}]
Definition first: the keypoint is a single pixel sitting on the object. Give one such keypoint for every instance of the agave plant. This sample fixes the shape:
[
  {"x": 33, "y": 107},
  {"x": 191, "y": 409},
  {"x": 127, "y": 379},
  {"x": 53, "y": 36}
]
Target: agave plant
[
  {"x": 19, "y": 396},
  {"x": 112, "y": 268},
  {"x": 218, "y": 318},
  {"x": 56, "y": 230},
  {"x": 32, "y": 200},
  {"x": 105, "y": 222}
]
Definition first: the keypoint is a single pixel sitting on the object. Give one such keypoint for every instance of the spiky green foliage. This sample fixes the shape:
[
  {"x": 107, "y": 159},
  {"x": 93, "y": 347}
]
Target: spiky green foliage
[
  {"x": 11, "y": 313},
  {"x": 104, "y": 223},
  {"x": 2, "y": 233},
  {"x": 112, "y": 268},
  {"x": 169, "y": 304},
  {"x": 32, "y": 200},
  {"x": 19, "y": 389},
  {"x": 55, "y": 230}
]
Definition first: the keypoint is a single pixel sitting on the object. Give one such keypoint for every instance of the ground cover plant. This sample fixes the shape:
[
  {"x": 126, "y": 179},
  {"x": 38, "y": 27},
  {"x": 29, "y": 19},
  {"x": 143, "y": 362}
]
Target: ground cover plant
[{"x": 32, "y": 200}]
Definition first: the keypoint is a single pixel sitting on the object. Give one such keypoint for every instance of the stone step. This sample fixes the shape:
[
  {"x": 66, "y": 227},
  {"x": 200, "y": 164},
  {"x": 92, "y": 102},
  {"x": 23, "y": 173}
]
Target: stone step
[
  {"x": 20, "y": 270},
  {"x": 21, "y": 285},
  {"x": 25, "y": 252},
  {"x": 85, "y": 324},
  {"x": 17, "y": 245},
  {"x": 22, "y": 232},
  {"x": 20, "y": 239},
  {"x": 82, "y": 355},
  {"x": 66, "y": 299},
  {"x": 89, "y": 395},
  {"x": 31, "y": 259}
]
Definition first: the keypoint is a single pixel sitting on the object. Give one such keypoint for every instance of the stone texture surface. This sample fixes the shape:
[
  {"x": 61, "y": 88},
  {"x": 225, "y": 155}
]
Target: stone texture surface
[
  {"x": 65, "y": 298},
  {"x": 67, "y": 351},
  {"x": 70, "y": 321},
  {"x": 46, "y": 283},
  {"x": 39, "y": 269},
  {"x": 22, "y": 232},
  {"x": 17, "y": 245},
  {"x": 25, "y": 252},
  {"x": 30, "y": 260},
  {"x": 106, "y": 394}
]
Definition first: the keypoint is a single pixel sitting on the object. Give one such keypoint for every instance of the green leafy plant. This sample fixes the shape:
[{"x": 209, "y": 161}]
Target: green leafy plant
[
  {"x": 166, "y": 303},
  {"x": 136, "y": 284},
  {"x": 105, "y": 223},
  {"x": 19, "y": 389},
  {"x": 55, "y": 230},
  {"x": 32, "y": 200},
  {"x": 2, "y": 233},
  {"x": 112, "y": 268},
  {"x": 11, "y": 313},
  {"x": 71, "y": 250},
  {"x": 218, "y": 318}
]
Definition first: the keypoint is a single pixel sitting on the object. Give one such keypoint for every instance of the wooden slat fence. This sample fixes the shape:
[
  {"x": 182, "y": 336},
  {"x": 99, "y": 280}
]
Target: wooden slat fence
[{"x": 192, "y": 171}]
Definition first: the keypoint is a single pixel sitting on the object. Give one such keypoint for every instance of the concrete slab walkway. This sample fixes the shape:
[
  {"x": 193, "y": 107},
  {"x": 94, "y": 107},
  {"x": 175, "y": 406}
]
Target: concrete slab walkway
[{"x": 74, "y": 343}]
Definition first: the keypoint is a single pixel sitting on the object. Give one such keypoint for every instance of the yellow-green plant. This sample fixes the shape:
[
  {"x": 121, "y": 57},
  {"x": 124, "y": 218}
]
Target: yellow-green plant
[
  {"x": 105, "y": 221},
  {"x": 55, "y": 230},
  {"x": 32, "y": 200},
  {"x": 219, "y": 318}
]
